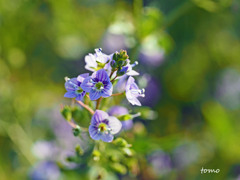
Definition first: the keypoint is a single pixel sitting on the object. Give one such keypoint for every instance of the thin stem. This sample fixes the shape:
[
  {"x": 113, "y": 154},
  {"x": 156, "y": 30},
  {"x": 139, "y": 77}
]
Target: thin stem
[
  {"x": 117, "y": 94},
  {"x": 98, "y": 102},
  {"x": 73, "y": 125},
  {"x": 86, "y": 107},
  {"x": 112, "y": 73},
  {"x": 114, "y": 79}
]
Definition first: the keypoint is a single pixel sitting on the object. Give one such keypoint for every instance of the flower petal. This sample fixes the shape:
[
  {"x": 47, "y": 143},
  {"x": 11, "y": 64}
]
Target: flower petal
[
  {"x": 132, "y": 73},
  {"x": 107, "y": 137},
  {"x": 81, "y": 77},
  {"x": 107, "y": 91},
  {"x": 79, "y": 97},
  {"x": 90, "y": 62},
  {"x": 70, "y": 94},
  {"x": 94, "y": 94},
  {"x": 87, "y": 84},
  {"x": 99, "y": 116},
  {"x": 93, "y": 132},
  {"x": 102, "y": 75},
  {"x": 114, "y": 124},
  {"x": 71, "y": 84},
  {"x": 117, "y": 111},
  {"x": 132, "y": 99}
]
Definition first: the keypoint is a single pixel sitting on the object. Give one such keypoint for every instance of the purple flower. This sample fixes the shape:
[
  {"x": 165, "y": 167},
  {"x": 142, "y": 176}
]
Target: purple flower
[
  {"x": 120, "y": 111},
  {"x": 133, "y": 92},
  {"x": 45, "y": 170},
  {"x": 97, "y": 61},
  {"x": 161, "y": 162},
  {"x": 104, "y": 126},
  {"x": 73, "y": 87},
  {"x": 98, "y": 85}
]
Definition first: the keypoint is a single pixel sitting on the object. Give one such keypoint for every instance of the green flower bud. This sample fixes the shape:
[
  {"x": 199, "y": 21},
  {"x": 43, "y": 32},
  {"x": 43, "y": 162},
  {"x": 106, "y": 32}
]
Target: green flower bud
[
  {"x": 119, "y": 168},
  {"x": 76, "y": 131},
  {"x": 120, "y": 142},
  {"x": 96, "y": 155},
  {"x": 79, "y": 150},
  {"x": 127, "y": 151},
  {"x": 67, "y": 113}
]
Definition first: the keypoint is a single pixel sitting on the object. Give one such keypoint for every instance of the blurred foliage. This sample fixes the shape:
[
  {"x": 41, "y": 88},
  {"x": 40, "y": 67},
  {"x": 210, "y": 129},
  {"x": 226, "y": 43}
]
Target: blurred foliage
[{"x": 41, "y": 42}]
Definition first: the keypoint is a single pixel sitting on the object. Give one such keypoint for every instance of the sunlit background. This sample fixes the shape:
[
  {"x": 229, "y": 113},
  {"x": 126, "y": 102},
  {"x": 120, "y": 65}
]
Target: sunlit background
[{"x": 189, "y": 60}]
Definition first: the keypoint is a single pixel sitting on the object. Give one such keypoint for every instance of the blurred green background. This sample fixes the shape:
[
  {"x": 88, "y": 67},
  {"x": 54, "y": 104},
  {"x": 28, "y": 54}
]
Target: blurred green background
[{"x": 189, "y": 50}]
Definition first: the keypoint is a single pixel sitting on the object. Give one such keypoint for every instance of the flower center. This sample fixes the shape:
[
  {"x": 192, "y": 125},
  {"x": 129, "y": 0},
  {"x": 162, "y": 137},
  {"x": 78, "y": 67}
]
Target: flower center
[
  {"x": 79, "y": 90},
  {"x": 99, "y": 86},
  {"x": 102, "y": 127}
]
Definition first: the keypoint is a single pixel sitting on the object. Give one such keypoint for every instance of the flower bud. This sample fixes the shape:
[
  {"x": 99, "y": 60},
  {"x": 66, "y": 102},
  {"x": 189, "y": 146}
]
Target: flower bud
[
  {"x": 113, "y": 64},
  {"x": 76, "y": 131},
  {"x": 120, "y": 142},
  {"x": 115, "y": 56},
  {"x": 122, "y": 71},
  {"x": 67, "y": 113},
  {"x": 78, "y": 150},
  {"x": 96, "y": 155}
]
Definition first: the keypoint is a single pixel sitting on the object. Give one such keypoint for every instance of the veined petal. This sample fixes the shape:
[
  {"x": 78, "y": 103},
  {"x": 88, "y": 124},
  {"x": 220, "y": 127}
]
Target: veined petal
[
  {"x": 107, "y": 137},
  {"x": 114, "y": 124},
  {"x": 107, "y": 91},
  {"x": 79, "y": 97},
  {"x": 71, "y": 84},
  {"x": 99, "y": 116},
  {"x": 94, "y": 134},
  {"x": 70, "y": 94},
  {"x": 81, "y": 77},
  {"x": 102, "y": 75},
  {"x": 94, "y": 94},
  {"x": 87, "y": 84}
]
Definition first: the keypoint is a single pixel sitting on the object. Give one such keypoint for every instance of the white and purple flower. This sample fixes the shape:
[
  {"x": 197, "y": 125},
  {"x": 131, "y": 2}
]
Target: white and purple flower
[
  {"x": 98, "y": 85},
  {"x": 73, "y": 87},
  {"x": 103, "y": 126},
  {"x": 133, "y": 92},
  {"x": 97, "y": 61}
]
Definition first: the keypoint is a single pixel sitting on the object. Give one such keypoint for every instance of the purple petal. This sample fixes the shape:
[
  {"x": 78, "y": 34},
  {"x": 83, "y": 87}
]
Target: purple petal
[
  {"x": 87, "y": 84},
  {"x": 107, "y": 137},
  {"x": 114, "y": 124},
  {"x": 107, "y": 91},
  {"x": 132, "y": 99},
  {"x": 70, "y": 94},
  {"x": 99, "y": 116},
  {"x": 127, "y": 124},
  {"x": 93, "y": 132},
  {"x": 71, "y": 84},
  {"x": 80, "y": 96},
  {"x": 102, "y": 75},
  {"x": 81, "y": 77},
  {"x": 94, "y": 95},
  {"x": 118, "y": 111}
]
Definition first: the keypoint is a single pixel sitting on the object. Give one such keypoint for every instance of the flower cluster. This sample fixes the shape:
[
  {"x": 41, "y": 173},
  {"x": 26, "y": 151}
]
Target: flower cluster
[{"x": 107, "y": 70}]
